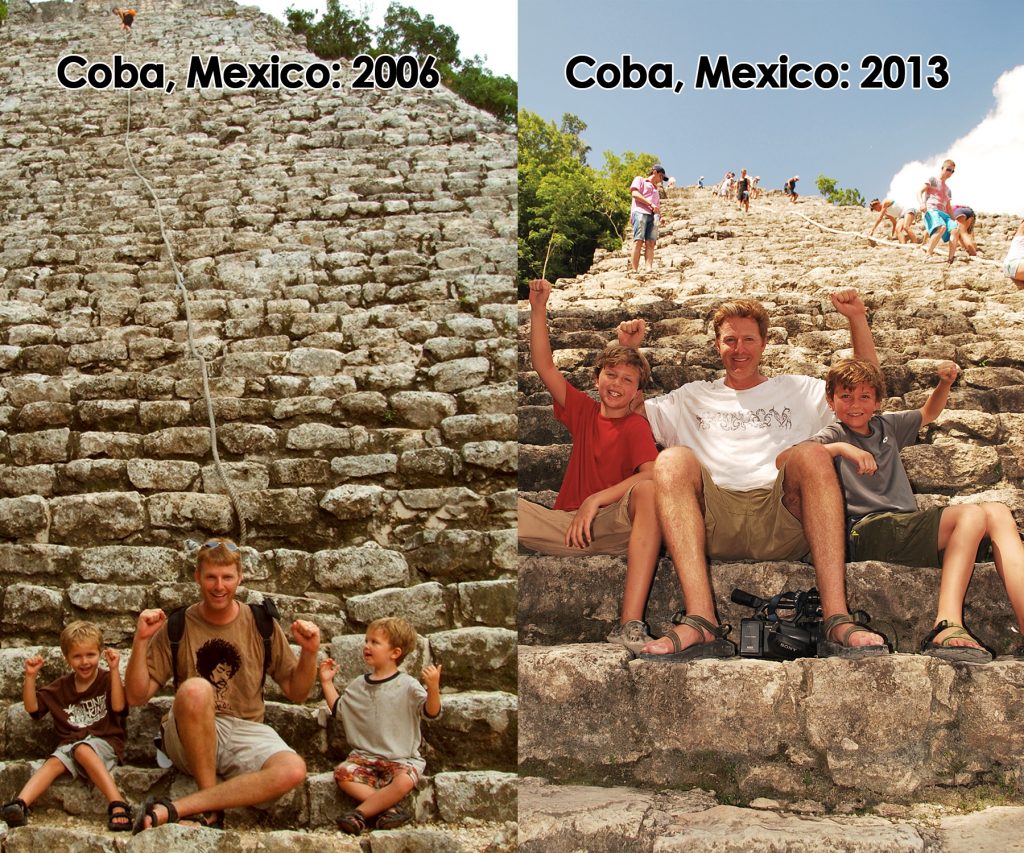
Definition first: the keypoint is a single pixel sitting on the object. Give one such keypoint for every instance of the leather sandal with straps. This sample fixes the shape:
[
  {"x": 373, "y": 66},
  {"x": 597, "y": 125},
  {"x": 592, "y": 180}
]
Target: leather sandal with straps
[
  {"x": 717, "y": 647},
  {"x": 954, "y": 654},
  {"x": 859, "y": 623}
]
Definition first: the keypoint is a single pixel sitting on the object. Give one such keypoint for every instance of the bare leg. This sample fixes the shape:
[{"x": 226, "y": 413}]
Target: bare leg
[
  {"x": 811, "y": 493},
  {"x": 961, "y": 529},
  {"x": 649, "y": 253},
  {"x": 194, "y": 715},
  {"x": 644, "y": 546},
  {"x": 935, "y": 237},
  {"x": 1009, "y": 554},
  {"x": 42, "y": 779},
  {"x": 97, "y": 771},
  {"x": 679, "y": 492},
  {"x": 636, "y": 254},
  {"x": 372, "y": 801}
]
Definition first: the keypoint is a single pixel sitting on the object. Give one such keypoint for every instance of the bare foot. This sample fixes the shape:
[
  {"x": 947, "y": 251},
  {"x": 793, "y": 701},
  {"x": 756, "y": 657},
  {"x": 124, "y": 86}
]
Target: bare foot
[{"x": 846, "y": 635}]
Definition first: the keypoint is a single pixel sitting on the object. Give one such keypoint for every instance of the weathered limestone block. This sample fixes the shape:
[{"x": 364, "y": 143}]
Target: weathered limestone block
[
  {"x": 950, "y": 467},
  {"x": 23, "y": 390},
  {"x": 314, "y": 436},
  {"x": 254, "y": 364},
  {"x": 244, "y": 439},
  {"x": 188, "y": 510},
  {"x": 477, "y": 730},
  {"x": 36, "y": 416},
  {"x": 477, "y": 658},
  {"x": 109, "y": 415},
  {"x": 94, "y": 475},
  {"x": 24, "y": 517},
  {"x": 383, "y": 377},
  {"x": 172, "y": 442},
  {"x": 308, "y": 361},
  {"x": 30, "y": 609},
  {"x": 431, "y": 463},
  {"x": 81, "y": 519},
  {"x": 423, "y": 605},
  {"x": 296, "y": 472},
  {"x": 36, "y": 448},
  {"x": 365, "y": 405},
  {"x": 423, "y": 409},
  {"x": 448, "y": 349},
  {"x": 301, "y": 407},
  {"x": 169, "y": 475},
  {"x": 243, "y": 477},
  {"x": 465, "y": 428},
  {"x": 492, "y": 455},
  {"x": 298, "y": 726},
  {"x": 542, "y": 467},
  {"x": 504, "y": 542},
  {"x": 121, "y": 564},
  {"x": 357, "y": 570},
  {"x": 164, "y": 413},
  {"x": 460, "y": 374},
  {"x": 35, "y": 561},
  {"x": 488, "y": 603},
  {"x": 454, "y": 503},
  {"x": 107, "y": 599},
  {"x": 280, "y": 507},
  {"x": 116, "y": 445},
  {"x": 484, "y": 795},
  {"x": 353, "y": 501},
  {"x": 371, "y": 465}
]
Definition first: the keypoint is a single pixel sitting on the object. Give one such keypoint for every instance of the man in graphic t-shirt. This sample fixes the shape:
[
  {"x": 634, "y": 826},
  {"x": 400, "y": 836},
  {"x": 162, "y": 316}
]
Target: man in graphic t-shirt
[
  {"x": 718, "y": 491},
  {"x": 215, "y": 725}
]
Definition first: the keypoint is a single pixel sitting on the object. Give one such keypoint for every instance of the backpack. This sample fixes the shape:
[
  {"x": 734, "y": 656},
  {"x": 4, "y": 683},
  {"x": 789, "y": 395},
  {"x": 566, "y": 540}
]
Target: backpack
[{"x": 265, "y": 613}]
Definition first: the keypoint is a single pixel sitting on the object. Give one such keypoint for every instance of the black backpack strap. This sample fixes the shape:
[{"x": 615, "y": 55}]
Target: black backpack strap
[
  {"x": 175, "y": 631},
  {"x": 265, "y": 613}
]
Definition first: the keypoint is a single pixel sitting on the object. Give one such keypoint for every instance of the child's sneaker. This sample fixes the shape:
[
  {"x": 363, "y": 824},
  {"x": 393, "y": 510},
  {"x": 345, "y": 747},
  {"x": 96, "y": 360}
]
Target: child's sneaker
[{"x": 633, "y": 635}]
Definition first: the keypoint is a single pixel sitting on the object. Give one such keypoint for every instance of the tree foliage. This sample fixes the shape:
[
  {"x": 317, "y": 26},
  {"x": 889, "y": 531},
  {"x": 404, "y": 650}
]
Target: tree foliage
[
  {"x": 3, "y": 10},
  {"x": 566, "y": 208},
  {"x": 830, "y": 189},
  {"x": 341, "y": 33}
]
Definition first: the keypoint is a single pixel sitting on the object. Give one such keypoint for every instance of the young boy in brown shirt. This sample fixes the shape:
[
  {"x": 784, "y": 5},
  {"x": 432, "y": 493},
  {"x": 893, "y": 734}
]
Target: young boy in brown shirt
[{"x": 89, "y": 713}]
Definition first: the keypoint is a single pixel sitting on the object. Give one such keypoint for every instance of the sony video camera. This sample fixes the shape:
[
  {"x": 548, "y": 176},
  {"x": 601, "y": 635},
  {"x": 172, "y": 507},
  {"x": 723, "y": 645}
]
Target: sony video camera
[{"x": 785, "y": 627}]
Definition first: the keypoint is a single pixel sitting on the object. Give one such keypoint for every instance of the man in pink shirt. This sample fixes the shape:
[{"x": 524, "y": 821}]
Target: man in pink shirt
[
  {"x": 936, "y": 199},
  {"x": 644, "y": 214}
]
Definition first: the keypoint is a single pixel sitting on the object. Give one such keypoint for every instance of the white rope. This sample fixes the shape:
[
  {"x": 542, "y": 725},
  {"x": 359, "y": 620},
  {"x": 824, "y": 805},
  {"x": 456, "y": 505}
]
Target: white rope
[{"x": 180, "y": 284}]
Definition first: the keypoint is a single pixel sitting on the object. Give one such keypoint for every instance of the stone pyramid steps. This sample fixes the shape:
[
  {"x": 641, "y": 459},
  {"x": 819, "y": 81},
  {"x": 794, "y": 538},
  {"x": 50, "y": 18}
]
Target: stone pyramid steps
[{"x": 814, "y": 736}]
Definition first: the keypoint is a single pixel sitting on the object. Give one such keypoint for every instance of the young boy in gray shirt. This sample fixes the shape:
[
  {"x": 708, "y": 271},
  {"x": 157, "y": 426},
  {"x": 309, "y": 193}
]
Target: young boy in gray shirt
[{"x": 381, "y": 713}]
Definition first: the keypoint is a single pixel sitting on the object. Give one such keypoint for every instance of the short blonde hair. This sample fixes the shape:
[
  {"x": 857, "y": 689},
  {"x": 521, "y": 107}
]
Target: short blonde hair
[
  {"x": 851, "y": 372},
  {"x": 219, "y": 551},
  {"x": 400, "y": 633},
  {"x": 79, "y": 633}
]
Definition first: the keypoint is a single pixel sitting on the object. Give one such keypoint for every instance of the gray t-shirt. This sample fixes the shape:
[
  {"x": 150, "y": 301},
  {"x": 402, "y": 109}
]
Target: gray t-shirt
[
  {"x": 382, "y": 718},
  {"x": 888, "y": 489}
]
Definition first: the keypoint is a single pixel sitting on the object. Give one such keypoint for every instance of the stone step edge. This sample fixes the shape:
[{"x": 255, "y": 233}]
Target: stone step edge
[{"x": 564, "y": 818}]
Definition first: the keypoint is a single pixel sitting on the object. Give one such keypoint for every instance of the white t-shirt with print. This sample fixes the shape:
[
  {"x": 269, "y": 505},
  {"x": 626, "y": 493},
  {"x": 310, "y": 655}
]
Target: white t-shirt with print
[{"x": 736, "y": 435}]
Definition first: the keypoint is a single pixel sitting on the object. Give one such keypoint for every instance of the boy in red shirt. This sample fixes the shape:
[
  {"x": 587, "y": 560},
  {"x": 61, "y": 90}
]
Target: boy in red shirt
[{"x": 606, "y": 502}]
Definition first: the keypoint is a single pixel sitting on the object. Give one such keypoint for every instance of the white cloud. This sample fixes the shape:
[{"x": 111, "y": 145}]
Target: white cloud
[{"x": 988, "y": 158}]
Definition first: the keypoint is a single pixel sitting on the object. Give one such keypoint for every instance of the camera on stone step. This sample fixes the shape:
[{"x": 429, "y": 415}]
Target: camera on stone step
[{"x": 786, "y": 626}]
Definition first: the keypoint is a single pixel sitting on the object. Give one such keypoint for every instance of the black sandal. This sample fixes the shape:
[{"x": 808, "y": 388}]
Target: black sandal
[
  {"x": 15, "y": 813},
  {"x": 208, "y": 820},
  {"x": 352, "y": 822},
  {"x": 392, "y": 818},
  {"x": 147, "y": 811},
  {"x": 119, "y": 816}
]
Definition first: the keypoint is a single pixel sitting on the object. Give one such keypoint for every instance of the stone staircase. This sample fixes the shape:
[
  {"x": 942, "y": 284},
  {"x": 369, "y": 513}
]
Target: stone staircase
[
  {"x": 886, "y": 754},
  {"x": 349, "y": 260}
]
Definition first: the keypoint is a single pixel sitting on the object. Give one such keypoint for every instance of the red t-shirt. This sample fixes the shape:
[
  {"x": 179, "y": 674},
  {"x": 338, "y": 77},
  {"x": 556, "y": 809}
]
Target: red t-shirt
[{"x": 605, "y": 451}]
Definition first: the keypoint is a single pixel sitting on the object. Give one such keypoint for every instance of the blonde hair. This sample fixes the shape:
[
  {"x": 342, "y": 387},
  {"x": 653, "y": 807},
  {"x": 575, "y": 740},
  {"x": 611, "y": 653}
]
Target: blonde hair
[
  {"x": 400, "y": 634},
  {"x": 851, "y": 372},
  {"x": 219, "y": 551},
  {"x": 80, "y": 633},
  {"x": 748, "y": 308},
  {"x": 615, "y": 355}
]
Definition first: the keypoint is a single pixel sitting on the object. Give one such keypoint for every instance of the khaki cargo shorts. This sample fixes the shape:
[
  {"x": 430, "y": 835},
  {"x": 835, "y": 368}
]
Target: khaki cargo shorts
[{"x": 542, "y": 529}]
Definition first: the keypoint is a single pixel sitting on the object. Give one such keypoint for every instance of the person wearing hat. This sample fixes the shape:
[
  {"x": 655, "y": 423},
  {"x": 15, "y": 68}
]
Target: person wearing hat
[{"x": 645, "y": 214}]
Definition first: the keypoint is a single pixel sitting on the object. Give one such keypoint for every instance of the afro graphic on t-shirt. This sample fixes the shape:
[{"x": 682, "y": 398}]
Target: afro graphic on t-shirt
[{"x": 218, "y": 661}]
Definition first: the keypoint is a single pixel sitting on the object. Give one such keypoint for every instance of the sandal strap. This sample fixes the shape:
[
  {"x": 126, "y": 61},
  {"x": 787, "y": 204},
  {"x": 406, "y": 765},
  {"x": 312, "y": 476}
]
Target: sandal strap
[
  {"x": 119, "y": 805},
  {"x": 718, "y": 632},
  {"x": 859, "y": 623},
  {"x": 959, "y": 633},
  {"x": 172, "y": 812}
]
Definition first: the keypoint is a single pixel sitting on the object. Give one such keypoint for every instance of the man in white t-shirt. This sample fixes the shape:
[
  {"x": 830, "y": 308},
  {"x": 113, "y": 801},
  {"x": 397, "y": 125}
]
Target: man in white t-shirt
[{"x": 718, "y": 491}]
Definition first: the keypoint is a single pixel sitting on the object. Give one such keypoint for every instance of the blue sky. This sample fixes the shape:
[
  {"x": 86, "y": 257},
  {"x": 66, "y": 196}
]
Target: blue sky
[{"x": 860, "y": 137}]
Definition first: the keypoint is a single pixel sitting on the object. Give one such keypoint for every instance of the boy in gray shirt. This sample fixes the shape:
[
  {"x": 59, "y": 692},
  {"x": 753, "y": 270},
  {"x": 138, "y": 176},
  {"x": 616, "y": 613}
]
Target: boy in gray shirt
[
  {"x": 883, "y": 521},
  {"x": 381, "y": 713}
]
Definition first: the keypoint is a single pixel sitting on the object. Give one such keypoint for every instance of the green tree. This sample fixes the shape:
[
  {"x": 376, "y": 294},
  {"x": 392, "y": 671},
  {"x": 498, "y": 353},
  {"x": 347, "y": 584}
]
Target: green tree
[
  {"x": 339, "y": 33},
  {"x": 566, "y": 208},
  {"x": 3, "y": 11},
  {"x": 830, "y": 189}
]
